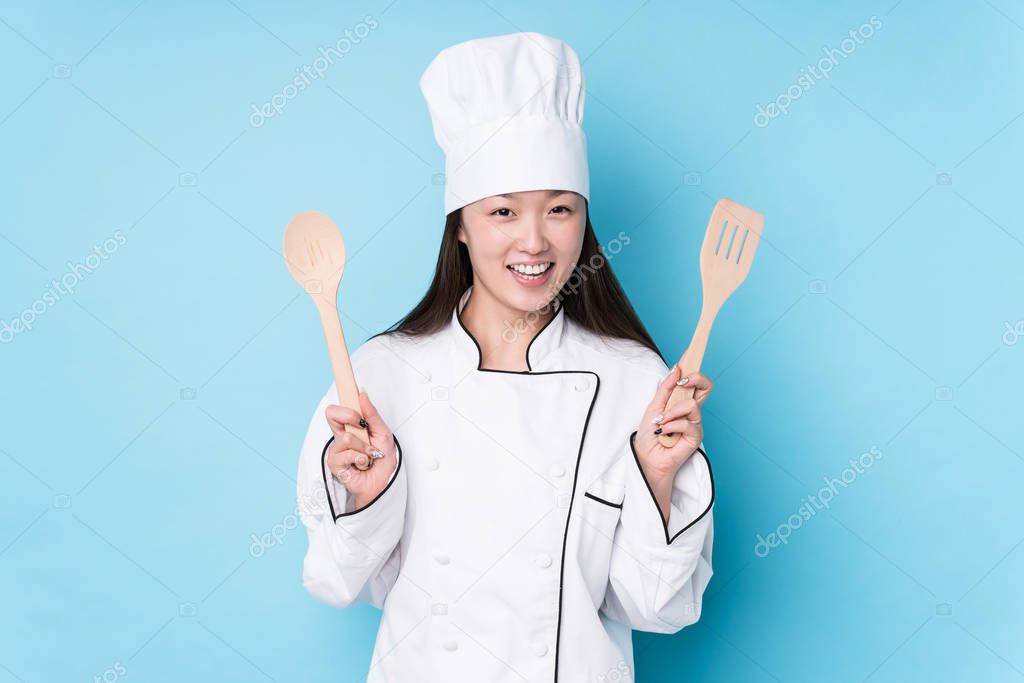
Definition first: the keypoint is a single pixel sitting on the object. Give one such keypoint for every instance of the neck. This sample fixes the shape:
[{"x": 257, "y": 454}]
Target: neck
[{"x": 503, "y": 332}]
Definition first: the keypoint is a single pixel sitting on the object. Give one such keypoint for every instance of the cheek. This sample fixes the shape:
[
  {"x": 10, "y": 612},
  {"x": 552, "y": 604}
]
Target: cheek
[
  {"x": 488, "y": 248},
  {"x": 569, "y": 244}
]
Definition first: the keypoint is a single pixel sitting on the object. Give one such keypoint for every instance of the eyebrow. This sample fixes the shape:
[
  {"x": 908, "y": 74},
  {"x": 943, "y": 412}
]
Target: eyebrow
[{"x": 551, "y": 193}]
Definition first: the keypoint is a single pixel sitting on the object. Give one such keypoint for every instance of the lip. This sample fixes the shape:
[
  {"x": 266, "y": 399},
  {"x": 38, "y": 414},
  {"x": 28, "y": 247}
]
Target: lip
[{"x": 536, "y": 282}]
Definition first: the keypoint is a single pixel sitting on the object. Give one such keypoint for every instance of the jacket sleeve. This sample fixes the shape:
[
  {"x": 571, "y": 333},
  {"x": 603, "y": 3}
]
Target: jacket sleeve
[
  {"x": 353, "y": 555},
  {"x": 659, "y": 571}
]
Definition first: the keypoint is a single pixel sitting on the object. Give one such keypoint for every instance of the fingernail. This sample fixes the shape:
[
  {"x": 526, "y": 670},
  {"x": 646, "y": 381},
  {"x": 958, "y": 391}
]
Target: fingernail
[
  {"x": 657, "y": 419},
  {"x": 658, "y": 430},
  {"x": 683, "y": 381},
  {"x": 363, "y": 423}
]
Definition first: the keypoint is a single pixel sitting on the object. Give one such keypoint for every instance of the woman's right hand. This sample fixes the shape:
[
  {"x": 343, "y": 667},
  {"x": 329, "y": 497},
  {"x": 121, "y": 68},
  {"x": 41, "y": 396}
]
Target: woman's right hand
[{"x": 350, "y": 458}]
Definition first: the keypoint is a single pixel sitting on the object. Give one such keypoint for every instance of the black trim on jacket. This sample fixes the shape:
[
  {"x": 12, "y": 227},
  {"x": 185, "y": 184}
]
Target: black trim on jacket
[
  {"x": 480, "y": 354},
  {"x": 327, "y": 488},
  {"x": 664, "y": 523},
  {"x": 579, "y": 453},
  {"x": 588, "y": 494}
]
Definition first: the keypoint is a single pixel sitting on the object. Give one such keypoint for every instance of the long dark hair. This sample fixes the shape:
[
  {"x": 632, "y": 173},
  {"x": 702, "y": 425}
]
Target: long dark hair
[{"x": 592, "y": 297}]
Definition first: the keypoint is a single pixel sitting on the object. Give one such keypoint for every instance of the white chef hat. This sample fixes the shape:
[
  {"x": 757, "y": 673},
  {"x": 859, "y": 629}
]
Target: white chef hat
[{"x": 507, "y": 111}]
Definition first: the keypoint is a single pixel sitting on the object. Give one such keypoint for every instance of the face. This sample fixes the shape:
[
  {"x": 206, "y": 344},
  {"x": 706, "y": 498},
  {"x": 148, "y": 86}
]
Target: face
[{"x": 524, "y": 245}]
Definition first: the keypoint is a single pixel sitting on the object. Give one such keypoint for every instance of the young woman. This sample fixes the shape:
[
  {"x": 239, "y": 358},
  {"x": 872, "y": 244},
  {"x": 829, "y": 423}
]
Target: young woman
[{"x": 513, "y": 514}]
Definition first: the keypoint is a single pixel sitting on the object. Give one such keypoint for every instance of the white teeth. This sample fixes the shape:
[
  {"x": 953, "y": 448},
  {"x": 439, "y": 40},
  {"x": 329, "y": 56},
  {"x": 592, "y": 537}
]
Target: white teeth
[{"x": 530, "y": 270}]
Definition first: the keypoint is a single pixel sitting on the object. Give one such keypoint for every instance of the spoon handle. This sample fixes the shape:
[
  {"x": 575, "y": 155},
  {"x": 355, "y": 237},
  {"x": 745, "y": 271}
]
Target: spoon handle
[
  {"x": 690, "y": 362},
  {"x": 344, "y": 378}
]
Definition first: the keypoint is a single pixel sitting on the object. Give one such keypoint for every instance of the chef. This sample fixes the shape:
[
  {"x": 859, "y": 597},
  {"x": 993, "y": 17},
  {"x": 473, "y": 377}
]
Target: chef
[{"x": 513, "y": 514}]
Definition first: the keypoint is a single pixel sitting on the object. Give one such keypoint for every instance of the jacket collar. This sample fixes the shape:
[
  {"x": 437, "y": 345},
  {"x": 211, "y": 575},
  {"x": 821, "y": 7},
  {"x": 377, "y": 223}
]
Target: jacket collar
[{"x": 539, "y": 354}]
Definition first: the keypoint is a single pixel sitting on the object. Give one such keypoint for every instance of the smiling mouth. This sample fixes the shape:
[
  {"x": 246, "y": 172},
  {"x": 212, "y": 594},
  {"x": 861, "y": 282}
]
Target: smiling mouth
[{"x": 534, "y": 272}]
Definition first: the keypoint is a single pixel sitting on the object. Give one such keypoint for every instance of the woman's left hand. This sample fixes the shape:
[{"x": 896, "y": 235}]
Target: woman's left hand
[{"x": 683, "y": 418}]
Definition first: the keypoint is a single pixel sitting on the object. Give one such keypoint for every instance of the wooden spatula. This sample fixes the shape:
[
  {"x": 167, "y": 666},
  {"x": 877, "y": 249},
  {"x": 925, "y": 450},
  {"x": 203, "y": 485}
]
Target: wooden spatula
[
  {"x": 315, "y": 253},
  {"x": 730, "y": 242}
]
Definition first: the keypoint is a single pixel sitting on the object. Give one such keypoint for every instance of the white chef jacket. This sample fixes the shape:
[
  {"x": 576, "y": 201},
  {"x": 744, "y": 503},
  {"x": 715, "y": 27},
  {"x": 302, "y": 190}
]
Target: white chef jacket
[{"x": 517, "y": 539}]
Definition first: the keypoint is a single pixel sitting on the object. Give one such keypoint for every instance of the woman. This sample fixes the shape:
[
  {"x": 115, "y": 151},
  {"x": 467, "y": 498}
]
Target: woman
[{"x": 529, "y": 517}]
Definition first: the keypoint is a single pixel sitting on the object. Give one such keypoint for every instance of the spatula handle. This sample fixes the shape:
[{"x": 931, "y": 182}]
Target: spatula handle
[
  {"x": 344, "y": 378},
  {"x": 690, "y": 362}
]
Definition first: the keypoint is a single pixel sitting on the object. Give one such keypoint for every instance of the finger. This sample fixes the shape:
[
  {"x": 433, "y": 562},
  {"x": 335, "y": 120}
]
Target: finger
[
  {"x": 351, "y": 458},
  {"x": 349, "y": 441},
  {"x": 375, "y": 422},
  {"x": 367, "y": 448},
  {"x": 701, "y": 386},
  {"x": 660, "y": 400},
  {"x": 687, "y": 408},
  {"x": 339, "y": 416},
  {"x": 340, "y": 462},
  {"x": 683, "y": 428}
]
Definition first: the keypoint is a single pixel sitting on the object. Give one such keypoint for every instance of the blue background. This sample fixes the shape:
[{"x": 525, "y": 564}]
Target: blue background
[{"x": 151, "y": 420}]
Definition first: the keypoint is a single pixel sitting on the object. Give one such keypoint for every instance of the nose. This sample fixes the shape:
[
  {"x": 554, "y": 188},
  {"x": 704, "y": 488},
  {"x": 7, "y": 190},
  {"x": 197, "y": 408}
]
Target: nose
[{"x": 532, "y": 239}]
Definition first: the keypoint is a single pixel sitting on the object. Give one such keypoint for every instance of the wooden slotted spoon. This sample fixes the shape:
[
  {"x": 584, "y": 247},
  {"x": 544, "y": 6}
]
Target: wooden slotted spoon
[
  {"x": 730, "y": 242},
  {"x": 315, "y": 253}
]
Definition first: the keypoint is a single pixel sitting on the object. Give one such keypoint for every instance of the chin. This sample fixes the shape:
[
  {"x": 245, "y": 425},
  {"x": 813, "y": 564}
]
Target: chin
[
  {"x": 537, "y": 301},
  {"x": 525, "y": 299}
]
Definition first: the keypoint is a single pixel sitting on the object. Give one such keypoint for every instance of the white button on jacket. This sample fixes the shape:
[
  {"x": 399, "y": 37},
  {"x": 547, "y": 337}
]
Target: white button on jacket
[{"x": 488, "y": 565}]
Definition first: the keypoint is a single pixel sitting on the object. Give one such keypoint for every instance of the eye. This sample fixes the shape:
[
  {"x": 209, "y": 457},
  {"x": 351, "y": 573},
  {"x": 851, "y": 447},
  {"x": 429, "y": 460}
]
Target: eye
[
  {"x": 502, "y": 215},
  {"x": 562, "y": 206}
]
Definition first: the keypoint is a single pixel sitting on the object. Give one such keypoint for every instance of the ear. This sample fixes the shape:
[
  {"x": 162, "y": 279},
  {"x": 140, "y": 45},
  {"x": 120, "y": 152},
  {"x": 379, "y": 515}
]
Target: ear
[{"x": 462, "y": 233}]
